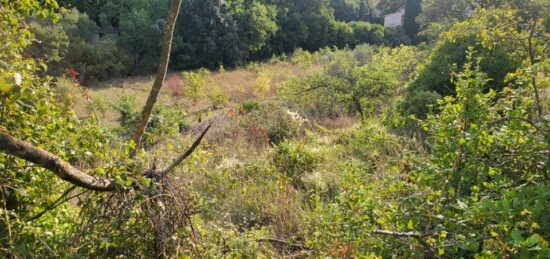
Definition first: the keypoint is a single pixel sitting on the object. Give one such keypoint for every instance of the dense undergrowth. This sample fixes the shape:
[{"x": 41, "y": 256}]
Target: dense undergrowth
[{"x": 362, "y": 153}]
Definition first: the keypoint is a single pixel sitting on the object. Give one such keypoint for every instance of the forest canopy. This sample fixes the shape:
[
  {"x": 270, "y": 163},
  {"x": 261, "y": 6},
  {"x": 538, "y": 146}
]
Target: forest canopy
[{"x": 125, "y": 35}]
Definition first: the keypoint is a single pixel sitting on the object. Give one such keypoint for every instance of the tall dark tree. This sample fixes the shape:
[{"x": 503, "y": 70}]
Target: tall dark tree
[
  {"x": 412, "y": 10},
  {"x": 351, "y": 10},
  {"x": 209, "y": 35}
]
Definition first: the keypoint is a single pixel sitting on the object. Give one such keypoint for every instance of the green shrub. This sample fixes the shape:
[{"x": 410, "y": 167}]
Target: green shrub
[
  {"x": 163, "y": 122},
  {"x": 314, "y": 95},
  {"x": 196, "y": 81},
  {"x": 294, "y": 161},
  {"x": 496, "y": 49},
  {"x": 263, "y": 83},
  {"x": 419, "y": 103},
  {"x": 367, "y": 33},
  {"x": 280, "y": 126},
  {"x": 302, "y": 57},
  {"x": 250, "y": 106},
  {"x": 269, "y": 123},
  {"x": 395, "y": 36},
  {"x": 83, "y": 57},
  {"x": 371, "y": 142},
  {"x": 217, "y": 97}
]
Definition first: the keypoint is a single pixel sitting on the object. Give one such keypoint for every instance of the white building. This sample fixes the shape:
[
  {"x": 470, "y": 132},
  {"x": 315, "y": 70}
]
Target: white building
[{"x": 394, "y": 19}]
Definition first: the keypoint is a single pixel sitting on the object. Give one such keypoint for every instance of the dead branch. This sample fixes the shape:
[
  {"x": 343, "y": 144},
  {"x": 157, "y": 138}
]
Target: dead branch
[
  {"x": 397, "y": 234},
  {"x": 281, "y": 242},
  {"x": 411, "y": 234},
  {"x": 53, "y": 205},
  {"x": 157, "y": 174},
  {"x": 187, "y": 153}
]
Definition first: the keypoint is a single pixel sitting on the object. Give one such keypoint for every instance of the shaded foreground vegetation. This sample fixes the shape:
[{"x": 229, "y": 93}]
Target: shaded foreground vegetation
[{"x": 371, "y": 151}]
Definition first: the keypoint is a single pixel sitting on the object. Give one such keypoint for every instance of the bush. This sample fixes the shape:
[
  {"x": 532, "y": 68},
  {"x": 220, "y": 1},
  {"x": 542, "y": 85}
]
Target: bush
[
  {"x": 301, "y": 57},
  {"x": 367, "y": 33},
  {"x": 74, "y": 43},
  {"x": 294, "y": 161},
  {"x": 269, "y": 123},
  {"x": 342, "y": 34},
  {"x": 418, "y": 103},
  {"x": 363, "y": 53},
  {"x": 163, "y": 122},
  {"x": 83, "y": 57},
  {"x": 280, "y": 126},
  {"x": 314, "y": 95},
  {"x": 395, "y": 36},
  {"x": 496, "y": 49},
  {"x": 250, "y": 106},
  {"x": 262, "y": 84},
  {"x": 371, "y": 142},
  {"x": 51, "y": 46},
  {"x": 217, "y": 97},
  {"x": 196, "y": 81}
]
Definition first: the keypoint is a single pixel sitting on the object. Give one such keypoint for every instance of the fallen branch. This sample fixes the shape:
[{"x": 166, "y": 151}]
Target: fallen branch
[
  {"x": 281, "y": 242},
  {"x": 397, "y": 234},
  {"x": 411, "y": 234}
]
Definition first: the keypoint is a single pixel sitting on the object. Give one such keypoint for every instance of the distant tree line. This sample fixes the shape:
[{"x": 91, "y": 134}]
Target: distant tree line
[{"x": 106, "y": 39}]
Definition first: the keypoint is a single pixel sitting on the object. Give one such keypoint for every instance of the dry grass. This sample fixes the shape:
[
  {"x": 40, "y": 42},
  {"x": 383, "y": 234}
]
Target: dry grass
[
  {"x": 237, "y": 85},
  {"x": 340, "y": 122}
]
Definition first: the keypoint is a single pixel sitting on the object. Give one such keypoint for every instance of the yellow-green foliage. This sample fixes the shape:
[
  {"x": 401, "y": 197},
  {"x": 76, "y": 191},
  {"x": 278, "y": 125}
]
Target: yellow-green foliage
[
  {"x": 217, "y": 97},
  {"x": 302, "y": 57},
  {"x": 196, "y": 81},
  {"x": 263, "y": 83}
]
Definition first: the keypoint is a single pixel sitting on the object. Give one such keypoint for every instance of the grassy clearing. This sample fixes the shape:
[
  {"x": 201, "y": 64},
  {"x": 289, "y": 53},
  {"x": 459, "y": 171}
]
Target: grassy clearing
[{"x": 236, "y": 86}]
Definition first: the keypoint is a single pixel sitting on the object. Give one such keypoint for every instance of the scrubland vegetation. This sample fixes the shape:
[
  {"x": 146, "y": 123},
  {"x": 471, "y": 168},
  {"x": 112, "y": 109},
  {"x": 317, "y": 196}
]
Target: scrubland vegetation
[{"x": 298, "y": 129}]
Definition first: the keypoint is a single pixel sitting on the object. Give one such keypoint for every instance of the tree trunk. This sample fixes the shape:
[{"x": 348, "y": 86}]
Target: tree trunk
[{"x": 160, "y": 76}]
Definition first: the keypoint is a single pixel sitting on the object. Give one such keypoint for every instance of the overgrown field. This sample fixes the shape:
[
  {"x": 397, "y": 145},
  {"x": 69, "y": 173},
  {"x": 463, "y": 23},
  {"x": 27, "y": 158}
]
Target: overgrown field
[
  {"x": 299, "y": 163},
  {"x": 434, "y": 150}
]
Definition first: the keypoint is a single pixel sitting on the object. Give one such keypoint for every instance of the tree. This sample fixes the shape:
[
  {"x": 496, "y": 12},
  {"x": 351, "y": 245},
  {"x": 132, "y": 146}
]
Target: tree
[
  {"x": 209, "y": 35},
  {"x": 412, "y": 10},
  {"x": 351, "y": 10},
  {"x": 141, "y": 27},
  {"x": 478, "y": 155},
  {"x": 30, "y": 103},
  {"x": 356, "y": 84},
  {"x": 256, "y": 24},
  {"x": 438, "y": 15},
  {"x": 498, "y": 52}
]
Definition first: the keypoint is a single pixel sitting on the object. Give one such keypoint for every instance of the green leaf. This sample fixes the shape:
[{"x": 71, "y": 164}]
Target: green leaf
[
  {"x": 5, "y": 86},
  {"x": 517, "y": 236},
  {"x": 532, "y": 240},
  {"x": 410, "y": 225}
]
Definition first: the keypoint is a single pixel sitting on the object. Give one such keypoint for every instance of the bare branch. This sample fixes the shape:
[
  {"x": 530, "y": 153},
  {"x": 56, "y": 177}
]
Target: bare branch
[
  {"x": 160, "y": 77},
  {"x": 181, "y": 158},
  {"x": 281, "y": 242},
  {"x": 58, "y": 202},
  {"x": 397, "y": 234},
  {"x": 47, "y": 160}
]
